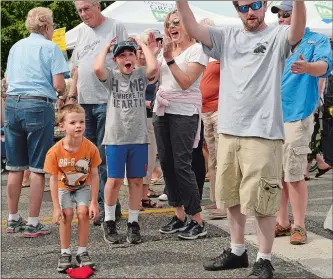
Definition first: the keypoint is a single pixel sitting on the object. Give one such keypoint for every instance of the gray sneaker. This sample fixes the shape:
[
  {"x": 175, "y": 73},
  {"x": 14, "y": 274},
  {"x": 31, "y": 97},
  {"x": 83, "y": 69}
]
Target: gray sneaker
[
  {"x": 40, "y": 229},
  {"x": 15, "y": 226},
  {"x": 64, "y": 262},
  {"x": 84, "y": 259}
]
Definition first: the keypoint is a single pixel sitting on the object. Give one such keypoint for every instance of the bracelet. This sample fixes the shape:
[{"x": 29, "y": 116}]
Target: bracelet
[
  {"x": 171, "y": 62},
  {"x": 72, "y": 97}
]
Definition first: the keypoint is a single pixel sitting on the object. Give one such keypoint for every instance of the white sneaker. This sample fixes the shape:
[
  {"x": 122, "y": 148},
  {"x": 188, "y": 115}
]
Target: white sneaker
[{"x": 163, "y": 197}]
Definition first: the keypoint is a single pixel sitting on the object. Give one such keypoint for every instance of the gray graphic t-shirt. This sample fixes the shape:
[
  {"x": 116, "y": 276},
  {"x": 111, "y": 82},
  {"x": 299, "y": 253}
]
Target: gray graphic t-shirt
[
  {"x": 252, "y": 64},
  {"x": 126, "y": 118},
  {"x": 89, "y": 44}
]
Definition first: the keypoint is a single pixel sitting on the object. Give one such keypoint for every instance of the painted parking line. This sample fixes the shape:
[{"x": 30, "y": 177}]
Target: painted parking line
[{"x": 47, "y": 220}]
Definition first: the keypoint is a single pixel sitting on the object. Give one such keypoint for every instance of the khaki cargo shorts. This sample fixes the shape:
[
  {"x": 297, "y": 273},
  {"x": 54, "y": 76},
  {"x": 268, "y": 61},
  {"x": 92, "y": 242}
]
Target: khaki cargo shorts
[
  {"x": 296, "y": 148},
  {"x": 249, "y": 174}
]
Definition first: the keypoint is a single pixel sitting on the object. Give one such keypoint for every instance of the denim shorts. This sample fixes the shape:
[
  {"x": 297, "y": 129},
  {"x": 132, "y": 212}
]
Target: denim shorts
[
  {"x": 29, "y": 129},
  {"x": 81, "y": 197},
  {"x": 133, "y": 156}
]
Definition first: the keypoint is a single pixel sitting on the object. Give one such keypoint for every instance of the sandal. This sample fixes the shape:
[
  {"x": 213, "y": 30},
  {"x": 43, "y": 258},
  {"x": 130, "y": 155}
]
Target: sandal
[
  {"x": 150, "y": 204},
  {"x": 152, "y": 194},
  {"x": 322, "y": 172}
]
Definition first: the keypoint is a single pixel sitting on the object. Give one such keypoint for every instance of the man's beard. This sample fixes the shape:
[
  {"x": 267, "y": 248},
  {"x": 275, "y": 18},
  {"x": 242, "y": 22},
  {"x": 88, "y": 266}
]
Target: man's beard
[{"x": 253, "y": 26}]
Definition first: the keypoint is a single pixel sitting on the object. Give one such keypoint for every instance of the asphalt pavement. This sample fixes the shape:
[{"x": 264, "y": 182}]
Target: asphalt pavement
[{"x": 160, "y": 256}]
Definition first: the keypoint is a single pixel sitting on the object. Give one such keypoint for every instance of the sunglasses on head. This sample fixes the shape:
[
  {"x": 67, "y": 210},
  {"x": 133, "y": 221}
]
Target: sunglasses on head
[
  {"x": 254, "y": 7},
  {"x": 174, "y": 22},
  {"x": 284, "y": 15}
]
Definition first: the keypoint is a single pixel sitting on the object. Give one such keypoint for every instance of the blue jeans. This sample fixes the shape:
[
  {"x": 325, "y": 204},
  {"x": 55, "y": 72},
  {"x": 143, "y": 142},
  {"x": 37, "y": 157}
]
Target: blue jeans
[
  {"x": 29, "y": 128},
  {"x": 95, "y": 127}
]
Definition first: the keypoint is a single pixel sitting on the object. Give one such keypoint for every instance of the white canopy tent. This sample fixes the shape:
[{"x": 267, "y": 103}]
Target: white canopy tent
[{"x": 140, "y": 15}]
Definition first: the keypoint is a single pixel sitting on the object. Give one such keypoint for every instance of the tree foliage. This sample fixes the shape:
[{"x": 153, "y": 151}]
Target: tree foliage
[{"x": 14, "y": 13}]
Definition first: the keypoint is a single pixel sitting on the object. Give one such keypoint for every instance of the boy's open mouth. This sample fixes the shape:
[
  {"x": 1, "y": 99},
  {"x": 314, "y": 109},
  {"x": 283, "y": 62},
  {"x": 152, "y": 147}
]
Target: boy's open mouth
[{"x": 128, "y": 65}]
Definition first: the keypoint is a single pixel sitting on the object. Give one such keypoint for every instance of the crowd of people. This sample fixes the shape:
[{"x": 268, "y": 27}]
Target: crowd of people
[{"x": 248, "y": 94}]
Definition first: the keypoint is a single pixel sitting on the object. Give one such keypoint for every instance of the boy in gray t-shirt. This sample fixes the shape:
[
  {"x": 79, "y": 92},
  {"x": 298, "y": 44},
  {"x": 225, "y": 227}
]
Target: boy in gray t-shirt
[
  {"x": 250, "y": 126},
  {"x": 126, "y": 136}
]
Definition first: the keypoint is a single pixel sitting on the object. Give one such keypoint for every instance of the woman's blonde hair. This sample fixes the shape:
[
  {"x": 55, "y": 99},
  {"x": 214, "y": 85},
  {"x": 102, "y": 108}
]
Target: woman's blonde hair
[
  {"x": 167, "y": 19},
  {"x": 37, "y": 19},
  {"x": 207, "y": 22}
]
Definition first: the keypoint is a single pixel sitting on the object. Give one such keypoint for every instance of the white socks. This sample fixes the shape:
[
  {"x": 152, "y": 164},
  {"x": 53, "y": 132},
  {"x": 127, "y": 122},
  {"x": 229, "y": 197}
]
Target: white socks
[
  {"x": 110, "y": 212},
  {"x": 264, "y": 256},
  {"x": 81, "y": 250},
  {"x": 133, "y": 216},
  {"x": 66, "y": 251},
  {"x": 14, "y": 217},
  {"x": 33, "y": 221},
  {"x": 237, "y": 249}
]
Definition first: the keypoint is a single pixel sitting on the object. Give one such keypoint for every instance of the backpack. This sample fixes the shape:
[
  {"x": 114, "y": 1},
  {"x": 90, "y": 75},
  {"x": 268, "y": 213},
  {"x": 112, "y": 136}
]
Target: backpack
[{"x": 328, "y": 93}]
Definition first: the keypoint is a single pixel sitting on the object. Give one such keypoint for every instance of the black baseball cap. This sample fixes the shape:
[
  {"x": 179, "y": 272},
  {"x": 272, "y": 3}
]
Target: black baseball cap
[{"x": 121, "y": 46}]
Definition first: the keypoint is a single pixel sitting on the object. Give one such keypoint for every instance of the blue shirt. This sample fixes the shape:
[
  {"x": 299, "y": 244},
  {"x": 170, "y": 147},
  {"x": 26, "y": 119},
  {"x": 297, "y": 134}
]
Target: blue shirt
[
  {"x": 300, "y": 91},
  {"x": 32, "y": 63}
]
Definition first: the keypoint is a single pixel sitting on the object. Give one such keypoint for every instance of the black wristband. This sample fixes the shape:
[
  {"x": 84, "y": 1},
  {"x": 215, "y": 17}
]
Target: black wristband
[{"x": 171, "y": 62}]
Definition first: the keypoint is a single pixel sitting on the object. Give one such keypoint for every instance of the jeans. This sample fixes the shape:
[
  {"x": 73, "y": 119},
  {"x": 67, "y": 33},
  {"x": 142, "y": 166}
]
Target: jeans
[
  {"x": 95, "y": 127},
  {"x": 175, "y": 137},
  {"x": 29, "y": 128}
]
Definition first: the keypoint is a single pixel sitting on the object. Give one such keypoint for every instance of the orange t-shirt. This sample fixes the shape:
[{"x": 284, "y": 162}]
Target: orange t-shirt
[
  {"x": 73, "y": 169},
  {"x": 209, "y": 87}
]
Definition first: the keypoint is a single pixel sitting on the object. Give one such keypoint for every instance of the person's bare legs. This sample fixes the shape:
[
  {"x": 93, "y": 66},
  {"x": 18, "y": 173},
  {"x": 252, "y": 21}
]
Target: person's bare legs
[
  {"x": 14, "y": 185},
  {"x": 298, "y": 196},
  {"x": 282, "y": 214},
  {"x": 157, "y": 172},
  {"x": 36, "y": 193},
  {"x": 135, "y": 193},
  {"x": 83, "y": 218},
  {"x": 111, "y": 190},
  {"x": 265, "y": 233},
  {"x": 26, "y": 178},
  {"x": 65, "y": 229},
  {"x": 236, "y": 221}
]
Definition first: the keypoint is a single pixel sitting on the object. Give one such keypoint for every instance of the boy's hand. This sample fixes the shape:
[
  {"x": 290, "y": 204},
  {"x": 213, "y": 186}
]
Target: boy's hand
[
  {"x": 152, "y": 44},
  {"x": 111, "y": 44},
  {"x": 93, "y": 211},
  {"x": 167, "y": 49},
  {"x": 58, "y": 216}
]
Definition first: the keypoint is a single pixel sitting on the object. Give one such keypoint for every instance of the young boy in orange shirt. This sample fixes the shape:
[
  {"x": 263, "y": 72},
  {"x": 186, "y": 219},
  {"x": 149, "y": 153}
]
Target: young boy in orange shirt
[{"x": 72, "y": 163}]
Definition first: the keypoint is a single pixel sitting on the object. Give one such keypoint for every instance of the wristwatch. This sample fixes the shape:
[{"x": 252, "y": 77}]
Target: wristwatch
[
  {"x": 171, "y": 62},
  {"x": 72, "y": 97}
]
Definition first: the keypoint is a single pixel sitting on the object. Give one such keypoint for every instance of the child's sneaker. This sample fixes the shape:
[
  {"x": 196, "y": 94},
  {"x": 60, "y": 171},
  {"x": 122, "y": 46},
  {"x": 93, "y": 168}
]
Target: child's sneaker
[
  {"x": 15, "y": 226},
  {"x": 84, "y": 259},
  {"x": 133, "y": 233},
  {"x": 64, "y": 262},
  {"x": 32, "y": 231},
  {"x": 110, "y": 233}
]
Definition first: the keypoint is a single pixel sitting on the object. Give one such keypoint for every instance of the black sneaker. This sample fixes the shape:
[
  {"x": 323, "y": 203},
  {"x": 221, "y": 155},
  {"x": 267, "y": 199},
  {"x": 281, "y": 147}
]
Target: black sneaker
[
  {"x": 193, "y": 231},
  {"x": 175, "y": 225},
  {"x": 64, "y": 262},
  {"x": 262, "y": 269},
  {"x": 133, "y": 233},
  {"x": 100, "y": 219},
  {"x": 227, "y": 260},
  {"x": 84, "y": 260},
  {"x": 110, "y": 233}
]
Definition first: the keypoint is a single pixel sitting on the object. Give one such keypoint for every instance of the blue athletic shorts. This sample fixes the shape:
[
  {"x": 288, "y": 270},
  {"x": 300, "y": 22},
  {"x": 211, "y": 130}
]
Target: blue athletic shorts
[{"x": 133, "y": 156}]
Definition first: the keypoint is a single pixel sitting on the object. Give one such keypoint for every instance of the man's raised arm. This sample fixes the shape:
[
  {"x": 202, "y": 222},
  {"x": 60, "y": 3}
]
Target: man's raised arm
[
  {"x": 193, "y": 28},
  {"x": 298, "y": 23}
]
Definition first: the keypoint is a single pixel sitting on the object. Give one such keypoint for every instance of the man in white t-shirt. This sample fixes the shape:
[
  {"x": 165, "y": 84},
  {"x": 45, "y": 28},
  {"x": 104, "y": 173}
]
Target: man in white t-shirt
[
  {"x": 250, "y": 124},
  {"x": 87, "y": 89}
]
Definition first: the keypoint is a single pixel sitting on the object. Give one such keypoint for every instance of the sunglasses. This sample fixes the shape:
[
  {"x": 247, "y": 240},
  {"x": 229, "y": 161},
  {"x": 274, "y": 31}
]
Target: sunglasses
[
  {"x": 254, "y": 7},
  {"x": 174, "y": 22},
  {"x": 284, "y": 15}
]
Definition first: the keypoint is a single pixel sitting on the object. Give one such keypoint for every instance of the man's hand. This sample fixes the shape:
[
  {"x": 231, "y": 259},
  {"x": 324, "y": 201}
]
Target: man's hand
[
  {"x": 167, "y": 49},
  {"x": 60, "y": 102},
  {"x": 300, "y": 67},
  {"x": 58, "y": 216},
  {"x": 93, "y": 211}
]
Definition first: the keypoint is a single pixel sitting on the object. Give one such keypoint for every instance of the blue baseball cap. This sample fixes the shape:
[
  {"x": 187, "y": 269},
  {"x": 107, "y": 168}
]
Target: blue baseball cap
[
  {"x": 284, "y": 6},
  {"x": 121, "y": 46}
]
